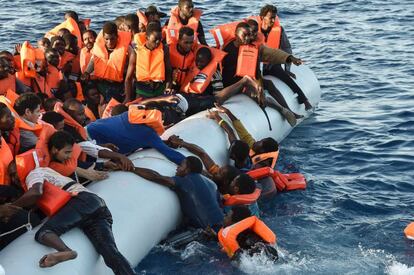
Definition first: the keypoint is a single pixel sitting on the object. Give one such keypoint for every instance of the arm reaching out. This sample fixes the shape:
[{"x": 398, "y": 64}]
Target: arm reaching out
[{"x": 154, "y": 176}]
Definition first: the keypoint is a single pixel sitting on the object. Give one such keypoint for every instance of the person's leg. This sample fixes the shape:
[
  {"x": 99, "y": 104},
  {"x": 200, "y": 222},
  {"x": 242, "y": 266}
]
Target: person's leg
[{"x": 99, "y": 231}]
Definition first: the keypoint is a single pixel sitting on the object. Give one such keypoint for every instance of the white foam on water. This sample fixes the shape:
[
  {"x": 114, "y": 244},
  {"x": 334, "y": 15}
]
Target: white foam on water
[{"x": 397, "y": 268}]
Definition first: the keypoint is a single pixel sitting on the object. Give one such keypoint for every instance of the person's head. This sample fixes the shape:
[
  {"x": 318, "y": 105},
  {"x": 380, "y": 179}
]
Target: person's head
[
  {"x": 49, "y": 104},
  {"x": 239, "y": 152},
  {"x": 203, "y": 57},
  {"x": 59, "y": 44},
  {"x": 189, "y": 165},
  {"x": 243, "y": 33},
  {"x": 60, "y": 146},
  {"x": 44, "y": 44},
  {"x": 186, "y": 8},
  {"x": 8, "y": 56},
  {"x": 89, "y": 38},
  {"x": 61, "y": 32},
  {"x": 110, "y": 35},
  {"x": 185, "y": 40},
  {"x": 75, "y": 109},
  {"x": 224, "y": 176},
  {"x": 7, "y": 120},
  {"x": 66, "y": 89},
  {"x": 28, "y": 107},
  {"x": 268, "y": 15},
  {"x": 254, "y": 29},
  {"x": 236, "y": 214},
  {"x": 132, "y": 23},
  {"x": 153, "y": 14},
  {"x": 242, "y": 184},
  {"x": 72, "y": 14},
  {"x": 56, "y": 119},
  {"x": 153, "y": 35},
  {"x": 92, "y": 94},
  {"x": 119, "y": 109},
  {"x": 71, "y": 42},
  {"x": 5, "y": 68},
  {"x": 52, "y": 57},
  {"x": 265, "y": 145}
]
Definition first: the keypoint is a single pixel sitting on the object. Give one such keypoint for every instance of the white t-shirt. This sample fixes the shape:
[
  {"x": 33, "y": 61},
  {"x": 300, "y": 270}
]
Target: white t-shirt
[{"x": 42, "y": 174}]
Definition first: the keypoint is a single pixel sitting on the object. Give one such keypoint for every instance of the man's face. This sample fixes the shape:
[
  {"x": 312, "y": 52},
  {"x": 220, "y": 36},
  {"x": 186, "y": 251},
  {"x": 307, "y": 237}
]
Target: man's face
[
  {"x": 94, "y": 96},
  {"x": 154, "y": 40},
  {"x": 181, "y": 169},
  {"x": 186, "y": 10},
  {"x": 201, "y": 62},
  {"x": 243, "y": 35},
  {"x": 53, "y": 58},
  {"x": 32, "y": 116},
  {"x": 110, "y": 41},
  {"x": 63, "y": 154},
  {"x": 77, "y": 112},
  {"x": 186, "y": 43},
  {"x": 269, "y": 19},
  {"x": 88, "y": 40},
  {"x": 60, "y": 46},
  {"x": 7, "y": 121}
]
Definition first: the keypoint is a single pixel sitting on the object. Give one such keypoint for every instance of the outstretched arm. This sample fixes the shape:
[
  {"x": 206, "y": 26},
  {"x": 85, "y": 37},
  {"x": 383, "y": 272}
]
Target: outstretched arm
[
  {"x": 154, "y": 176},
  {"x": 226, "y": 127}
]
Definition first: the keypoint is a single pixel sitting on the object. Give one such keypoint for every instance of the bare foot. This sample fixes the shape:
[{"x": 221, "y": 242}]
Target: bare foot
[
  {"x": 308, "y": 106},
  {"x": 289, "y": 116},
  {"x": 57, "y": 257}
]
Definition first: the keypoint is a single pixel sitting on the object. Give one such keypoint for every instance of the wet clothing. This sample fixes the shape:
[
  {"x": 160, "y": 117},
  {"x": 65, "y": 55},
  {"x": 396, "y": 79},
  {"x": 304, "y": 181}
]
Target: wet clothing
[
  {"x": 89, "y": 212},
  {"x": 200, "y": 201},
  {"x": 130, "y": 137}
]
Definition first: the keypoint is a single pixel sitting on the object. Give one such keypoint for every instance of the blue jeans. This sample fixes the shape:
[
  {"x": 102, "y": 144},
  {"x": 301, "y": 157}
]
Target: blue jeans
[{"x": 89, "y": 212}]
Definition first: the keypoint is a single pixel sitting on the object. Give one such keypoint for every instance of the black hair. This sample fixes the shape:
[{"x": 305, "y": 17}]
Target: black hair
[
  {"x": 266, "y": 9},
  {"x": 56, "y": 38},
  {"x": 119, "y": 20},
  {"x": 269, "y": 145},
  {"x": 5, "y": 53},
  {"x": 185, "y": 30},
  {"x": 204, "y": 53},
  {"x": 52, "y": 117},
  {"x": 71, "y": 42},
  {"x": 94, "y": 34},
  {"x": 153, "y": 26},
  {"x": 49, "y": 104},
  {"x": 65, "y": 86},
  {"x": 253, "y": 22},
  {"x": 245, "y": 183},
  {"x": 243, "y": 25},
  {"x": 230, "y": 172},
  {"x": 70, "y": 102},
  {"x": 27, "y": 101},
  {"x": 132, "y": 20},
  {"x": 2, "y": 108},
  {"x": 182, "y": 2},
  {"x": 59, "y": 140},
  {"x": 45, "y": 40},
  {"x": 194, "y": 164},
  {"x": 119, "y": 109},
  {"x": 73, "y": 15},
  {"x": 110, "y": 28},
  {"x": 240, "y": 213},
  {"x": 63, "y": 31},
  {"x": 240, "y": 150},
  {"x": 91, "y": 85}
]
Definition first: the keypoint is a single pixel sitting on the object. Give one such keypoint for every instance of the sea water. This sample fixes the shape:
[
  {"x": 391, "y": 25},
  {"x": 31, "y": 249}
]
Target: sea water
[{"x": 357, "y": 150}]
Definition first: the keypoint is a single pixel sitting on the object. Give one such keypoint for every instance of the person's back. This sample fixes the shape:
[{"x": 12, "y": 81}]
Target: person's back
[{"x": 199, "y": 200}]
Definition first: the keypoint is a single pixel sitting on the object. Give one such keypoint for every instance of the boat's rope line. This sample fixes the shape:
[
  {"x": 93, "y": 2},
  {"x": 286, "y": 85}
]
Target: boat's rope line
[{"x": 27, "y": 225}]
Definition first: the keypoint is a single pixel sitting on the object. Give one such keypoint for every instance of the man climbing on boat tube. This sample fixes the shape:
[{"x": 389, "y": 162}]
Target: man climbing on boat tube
[
  {"x": 198, "y": 195},
  {"x": 79, "y": 208}
]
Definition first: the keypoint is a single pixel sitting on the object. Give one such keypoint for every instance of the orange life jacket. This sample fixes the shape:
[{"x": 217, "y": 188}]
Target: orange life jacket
[
  {"x": 6, "y": 157},
  {"x": 151, "y": 118},
  {"x": 192, "y": 83},
  {"x": 111, "y": 66},
  {"x": 174, "y": 24},
  {"x": 85, "y": 57},
  {"x": 247, "y": 61},
  {"x": 53, "y": 198},
  {"x": 89, "y": 114},
  {"x": 256, "y": 158},
  {"x": 53, "y": 77},
  {"x": 11, "y": 96},
  {"x": 143, "y": 21},
  {"x": 242, "y": 199},
  {"x": 108, "y": 109},
  {"x": 180, "y": 64},
  {"x": 228, "y": 236},
  {"x": 150, "y": 65},
  {"x": 28, "y": 60},
  {"x": 223, "y": 34},
  {"x": 65, "y": 58},
  {"x": 275, "y": 34},
  {"x": 14, "y": 141},
  {"x": 409, "y": 231},
  {"x": 70, "y": 121},
  {"x": 8, "y": 83},
  {"x": 69, "y": 24},
  {"x": 283, "y": 182}
]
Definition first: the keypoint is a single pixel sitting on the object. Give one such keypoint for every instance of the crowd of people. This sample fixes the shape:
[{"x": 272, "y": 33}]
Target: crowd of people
[{"x": 76, "y": 104}]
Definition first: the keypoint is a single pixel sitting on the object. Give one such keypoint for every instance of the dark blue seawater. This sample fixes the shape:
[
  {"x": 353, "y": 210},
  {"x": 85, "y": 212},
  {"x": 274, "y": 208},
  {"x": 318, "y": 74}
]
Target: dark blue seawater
[{"x": 357, "y": 150}]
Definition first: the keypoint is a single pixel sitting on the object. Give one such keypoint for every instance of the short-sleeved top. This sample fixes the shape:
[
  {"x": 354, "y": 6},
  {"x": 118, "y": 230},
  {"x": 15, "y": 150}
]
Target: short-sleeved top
[
  {"x": 42, "y": 174},
  {"x": 199, "y": 200}
]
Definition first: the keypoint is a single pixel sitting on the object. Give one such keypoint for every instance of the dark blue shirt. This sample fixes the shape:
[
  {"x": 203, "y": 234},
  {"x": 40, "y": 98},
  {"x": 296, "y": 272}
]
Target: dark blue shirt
[
  {"x": 130, "y": 137},
  {"x": 199, "y": 200}
]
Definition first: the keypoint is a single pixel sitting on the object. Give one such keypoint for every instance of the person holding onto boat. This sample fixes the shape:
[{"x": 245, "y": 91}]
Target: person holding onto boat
[
  {"x": 149, "y": 64},
  {"x": 83, "y": 209},
  {"x": 185, "y": 15},
  {"x": 199, "y": 198}
]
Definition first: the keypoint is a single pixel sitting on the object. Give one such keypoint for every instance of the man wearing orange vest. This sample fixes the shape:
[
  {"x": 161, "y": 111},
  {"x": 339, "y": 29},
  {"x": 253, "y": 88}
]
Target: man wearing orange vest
[
  {"x": 150, "y": 14},
  {"x": 269, "y": 21},
  {"x": 243, "y": 232},
  {"x": 8, "y": 80},
  {"x": 9, "y": 132},
  {"x": 185, "y": 15},
  {"x": 108, "y": 62},
  {"x": 89, "y": 38},
  {"x": 150, "y": 64}
]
